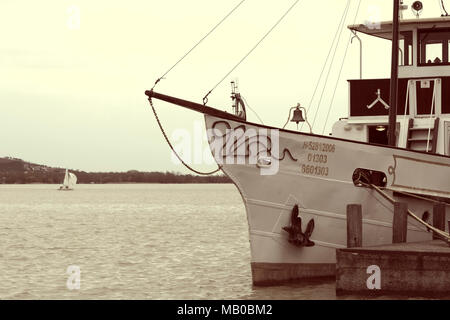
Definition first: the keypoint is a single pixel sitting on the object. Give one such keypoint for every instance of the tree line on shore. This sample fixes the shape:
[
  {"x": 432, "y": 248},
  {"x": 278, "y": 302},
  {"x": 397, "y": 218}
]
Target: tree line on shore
[
  {"x": 109, "y": 177},
  {"x": 14, "y": 171}
]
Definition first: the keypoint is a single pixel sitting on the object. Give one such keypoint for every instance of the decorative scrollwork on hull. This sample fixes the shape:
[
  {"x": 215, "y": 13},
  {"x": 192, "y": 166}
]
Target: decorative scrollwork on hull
[{"x": 244, "y": 142}]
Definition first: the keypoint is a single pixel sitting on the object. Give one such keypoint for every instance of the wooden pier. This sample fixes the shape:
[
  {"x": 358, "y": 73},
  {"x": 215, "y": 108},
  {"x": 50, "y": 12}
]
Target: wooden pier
[{"x": 413, "y": 269}]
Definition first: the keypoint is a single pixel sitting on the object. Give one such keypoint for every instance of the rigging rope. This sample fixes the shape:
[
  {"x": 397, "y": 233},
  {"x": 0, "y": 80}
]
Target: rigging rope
[
  {"x": 246, "y": 104},
  {"x": 173, "y": 150},
  {"x": 340, "y": 70},
  {"x": 443, "y": 7},
  {"x": 324, "y": 65},
  {"x": 205, "y": 98},
  {"x": 412, "y": 195},
  {"x": 442, "y": 234},
  {"x": 341, "y": 27},
  {"x": 170, "y": 69},
  {"x": 201, "y": 40}
]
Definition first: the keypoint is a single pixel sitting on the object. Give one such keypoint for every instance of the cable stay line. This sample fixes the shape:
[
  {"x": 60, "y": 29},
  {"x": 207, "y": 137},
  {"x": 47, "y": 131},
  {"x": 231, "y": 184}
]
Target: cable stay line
[
  {"x": 324, "y": 66},
  {"x": 198, "y": 43},
  {"x": 332, "y": 60},
  {"x": 340, "y": 70},
  {"x": 170, "y": 69},
  {"x": 205, "y": 98},
  {"x": 443, "y": 7},
  {"x": 256, "y": 114}
]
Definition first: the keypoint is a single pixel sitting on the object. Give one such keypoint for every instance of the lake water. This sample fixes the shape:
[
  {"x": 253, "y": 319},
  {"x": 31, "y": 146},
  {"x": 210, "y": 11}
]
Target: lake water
[{"x": 131, "y": 241}]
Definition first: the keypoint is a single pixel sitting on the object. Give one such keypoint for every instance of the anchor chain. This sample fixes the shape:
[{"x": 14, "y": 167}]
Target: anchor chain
[{"x": 173, "y": 150}]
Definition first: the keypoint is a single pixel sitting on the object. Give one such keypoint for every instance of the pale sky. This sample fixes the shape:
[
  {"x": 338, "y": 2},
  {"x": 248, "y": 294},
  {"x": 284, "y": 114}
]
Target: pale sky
[{"x": 72, "y": 90}]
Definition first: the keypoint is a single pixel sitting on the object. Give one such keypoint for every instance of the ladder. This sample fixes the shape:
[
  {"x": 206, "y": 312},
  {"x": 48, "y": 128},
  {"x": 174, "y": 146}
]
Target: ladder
[{"x": 418, "y": 137}]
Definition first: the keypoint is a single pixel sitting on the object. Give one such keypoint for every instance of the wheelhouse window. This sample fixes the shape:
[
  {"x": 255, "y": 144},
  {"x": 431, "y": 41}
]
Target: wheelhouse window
[
  {"x": 405, "y": 48},
  {"x": 434, "y": 47}
]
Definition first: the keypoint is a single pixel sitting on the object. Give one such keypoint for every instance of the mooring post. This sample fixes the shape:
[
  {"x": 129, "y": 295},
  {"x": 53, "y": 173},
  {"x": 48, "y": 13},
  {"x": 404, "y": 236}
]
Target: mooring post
[
  {"x": 354, "y": 225},
  {"x": 400, "y": 222},
  {"x": 438, "y": 218}
]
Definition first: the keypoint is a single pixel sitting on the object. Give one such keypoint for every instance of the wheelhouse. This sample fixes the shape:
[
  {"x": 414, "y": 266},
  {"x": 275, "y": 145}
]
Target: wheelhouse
[{"x": 423, "y": 110}]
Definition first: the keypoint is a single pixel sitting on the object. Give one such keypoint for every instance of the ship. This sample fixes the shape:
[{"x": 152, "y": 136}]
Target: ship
[{"x": 296, "y": 185}]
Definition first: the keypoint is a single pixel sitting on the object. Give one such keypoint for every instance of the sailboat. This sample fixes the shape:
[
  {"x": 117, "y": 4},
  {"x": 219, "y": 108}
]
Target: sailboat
[
  {"x": 287, "y": 178},
  {"x": 70, "y": 180}
]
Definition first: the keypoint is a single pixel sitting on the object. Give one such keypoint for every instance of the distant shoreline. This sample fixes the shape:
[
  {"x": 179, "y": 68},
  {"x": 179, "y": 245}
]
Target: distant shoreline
[{"x": 17, "y": 171}]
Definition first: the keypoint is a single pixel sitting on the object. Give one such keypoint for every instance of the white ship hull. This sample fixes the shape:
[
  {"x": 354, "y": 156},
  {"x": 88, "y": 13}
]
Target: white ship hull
[{"x": 315, "y": 173}]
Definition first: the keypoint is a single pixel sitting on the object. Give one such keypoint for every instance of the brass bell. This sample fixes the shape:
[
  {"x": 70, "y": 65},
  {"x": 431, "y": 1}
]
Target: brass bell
[{"x": 297, "y": 116}]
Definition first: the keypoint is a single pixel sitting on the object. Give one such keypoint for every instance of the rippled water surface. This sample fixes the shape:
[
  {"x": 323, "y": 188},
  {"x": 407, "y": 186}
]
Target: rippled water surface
[{"x": 131, "y": 241}]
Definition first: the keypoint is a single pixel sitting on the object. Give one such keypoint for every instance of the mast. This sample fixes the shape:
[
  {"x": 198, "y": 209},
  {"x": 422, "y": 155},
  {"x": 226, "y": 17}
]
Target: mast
[{"x": 394, "y": 77}]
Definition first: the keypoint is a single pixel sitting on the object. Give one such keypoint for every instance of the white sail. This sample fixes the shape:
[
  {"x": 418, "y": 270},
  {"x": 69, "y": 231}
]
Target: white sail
[
  {"x": 72, "y": 180},
  {"x": 66, "y": 179}
]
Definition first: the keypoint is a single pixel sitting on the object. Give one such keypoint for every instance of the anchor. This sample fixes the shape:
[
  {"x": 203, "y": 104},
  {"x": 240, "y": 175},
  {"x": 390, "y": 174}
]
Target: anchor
[{"x": 296, "y": 236}]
